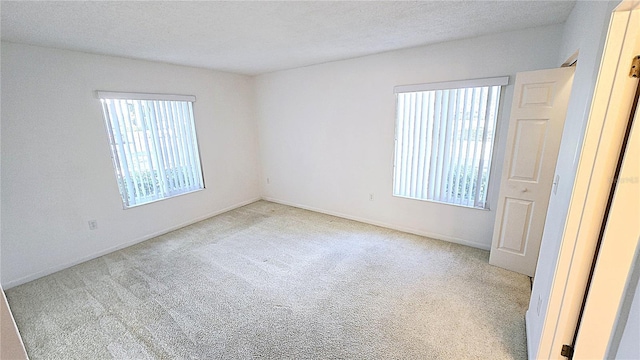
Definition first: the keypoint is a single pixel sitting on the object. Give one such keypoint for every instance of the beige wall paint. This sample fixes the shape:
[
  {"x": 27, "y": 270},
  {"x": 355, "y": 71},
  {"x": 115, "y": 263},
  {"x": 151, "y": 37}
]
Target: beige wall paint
[{"x": 11, "y": 346}]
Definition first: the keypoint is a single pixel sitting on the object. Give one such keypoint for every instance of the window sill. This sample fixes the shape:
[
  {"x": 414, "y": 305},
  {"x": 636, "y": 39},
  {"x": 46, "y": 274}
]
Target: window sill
[
  {"x": 443, "y": 203},
  {"x": 157, "y": 200}
]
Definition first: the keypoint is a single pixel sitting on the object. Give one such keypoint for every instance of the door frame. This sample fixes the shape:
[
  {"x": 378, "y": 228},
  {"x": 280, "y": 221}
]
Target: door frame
[{"x": 610, "y": 108}]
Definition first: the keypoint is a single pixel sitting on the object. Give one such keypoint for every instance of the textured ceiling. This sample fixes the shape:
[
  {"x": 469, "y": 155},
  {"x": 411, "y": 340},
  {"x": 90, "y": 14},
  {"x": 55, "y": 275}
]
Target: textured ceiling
[{"x": 257, "y": 37}]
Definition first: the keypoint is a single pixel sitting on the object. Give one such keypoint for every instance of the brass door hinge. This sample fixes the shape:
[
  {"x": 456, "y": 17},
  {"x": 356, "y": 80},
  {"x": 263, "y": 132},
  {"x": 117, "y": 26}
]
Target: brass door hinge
[
  {"x": 635, "y": 67},
  {"x": 567, "y": 351}
]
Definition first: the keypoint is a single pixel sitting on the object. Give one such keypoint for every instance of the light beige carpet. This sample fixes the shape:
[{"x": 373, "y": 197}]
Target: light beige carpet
[{"x": 275, "y": 282}]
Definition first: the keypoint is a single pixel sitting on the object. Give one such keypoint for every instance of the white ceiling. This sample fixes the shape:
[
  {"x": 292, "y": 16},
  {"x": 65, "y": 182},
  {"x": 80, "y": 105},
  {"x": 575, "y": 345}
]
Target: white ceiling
[{"x": 254, "y": 37}]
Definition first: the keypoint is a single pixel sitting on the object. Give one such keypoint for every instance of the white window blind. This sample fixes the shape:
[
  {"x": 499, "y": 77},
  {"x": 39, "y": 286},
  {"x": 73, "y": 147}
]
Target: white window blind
[
  {"x": 153, "y": 145},
  {"x": 444, "y": 140}
]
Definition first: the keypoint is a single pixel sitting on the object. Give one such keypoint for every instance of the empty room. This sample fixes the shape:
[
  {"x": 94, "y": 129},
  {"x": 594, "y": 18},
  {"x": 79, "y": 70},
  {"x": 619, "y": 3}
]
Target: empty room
[{"x": 320, "y": 180}]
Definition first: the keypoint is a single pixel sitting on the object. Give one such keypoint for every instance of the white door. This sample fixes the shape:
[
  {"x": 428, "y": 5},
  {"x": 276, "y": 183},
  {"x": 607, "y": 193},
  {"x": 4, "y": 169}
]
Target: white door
[{"x": 535, "y": 128}]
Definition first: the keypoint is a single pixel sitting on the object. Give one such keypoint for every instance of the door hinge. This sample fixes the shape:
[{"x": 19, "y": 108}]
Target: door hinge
[
  {"x": 567, "y": 351},
  {"x": 635, "y": 67}
]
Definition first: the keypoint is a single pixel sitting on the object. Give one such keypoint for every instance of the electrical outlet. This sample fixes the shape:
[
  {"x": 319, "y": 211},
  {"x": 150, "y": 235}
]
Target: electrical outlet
[
  {"x": 93, "y": 224},
  {"x": 371, "y": 197}
]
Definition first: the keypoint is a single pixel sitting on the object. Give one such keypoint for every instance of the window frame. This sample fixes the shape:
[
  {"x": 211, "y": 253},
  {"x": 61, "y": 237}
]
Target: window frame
[
  {"x": 457, "y": 85},
  {"x": 189, "y": 125}
]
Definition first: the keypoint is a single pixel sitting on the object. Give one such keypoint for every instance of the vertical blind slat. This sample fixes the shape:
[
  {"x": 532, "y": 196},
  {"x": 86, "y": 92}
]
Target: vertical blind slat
[
  {"x": 434, "y": 143},
  {"x": 407, "y": 136},
  {"x": 445, "y": 169},
  {"x": 147, "y": 148},
  {"x": 459, "y": 184},
  {"x": 175, "y": 159},
  {"x": 185, "y": 146},
  {"x": 457, "y": 145},
  {"x": 397, "y": 162},
  {"x": 176, "y": 145},
  {"x": 165, "y": 145},
  {"x": 130, "y": 161},
  {"x": 480, "y": 128},
  {"x": 400, "y": 139},
  {"x": 159, "y": 143},
  {"x": 132, "y": 134},
  {"x": 423, "y": 145},
  {"x": 477, "y": 145},
  {"x": 180, "y": 146},
  {"x": 452, "y": 156},
  {"x": 410, "y": 138},
  {"x": 166, "y": 136},
  {"x": 194, "y": 145},
  {"x": 190, "y": 163},
  {"x": 480, "y": 172},
  {"x": 159, "y": 151},
  {"x": 468, "y": 148},
  {"x": 416, "y": 145},
  {"x": 430, "y": 99},
  {"x": 189, "y": 149},
  {"x": 473, "y": 121},
  {"x": 405, "y": 150},
  {"x": 122, "y": 168},
  {"x": 427, "y": 156},
  {"x": 444, "y": 124},
  {"x": 491, "y": 123}
]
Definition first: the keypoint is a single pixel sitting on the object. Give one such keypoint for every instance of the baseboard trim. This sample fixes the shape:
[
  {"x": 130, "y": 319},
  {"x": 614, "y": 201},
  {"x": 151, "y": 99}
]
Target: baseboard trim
[
  {"x": 383, "y": 224},
  {"x": 527, "y": 332},
  {"x": 53, "y": 269}
]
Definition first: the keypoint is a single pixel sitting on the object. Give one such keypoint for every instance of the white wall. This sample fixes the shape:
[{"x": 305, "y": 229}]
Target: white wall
[
  {"x": 327, "y": 131},
  {"x": 56, "y": 166},
  {"x": 585, "y": 31}
]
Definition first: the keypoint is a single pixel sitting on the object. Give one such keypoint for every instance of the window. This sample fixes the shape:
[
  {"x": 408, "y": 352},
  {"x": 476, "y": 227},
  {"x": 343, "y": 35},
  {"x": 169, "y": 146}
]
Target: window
[
  {"x": 153, "y": 145},
  {"x": 444, "y": 140}
]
